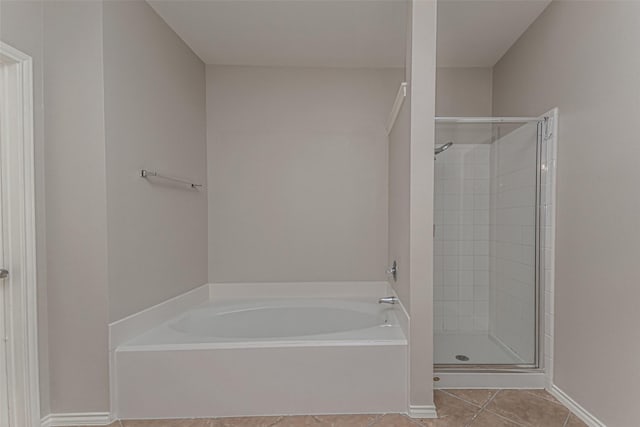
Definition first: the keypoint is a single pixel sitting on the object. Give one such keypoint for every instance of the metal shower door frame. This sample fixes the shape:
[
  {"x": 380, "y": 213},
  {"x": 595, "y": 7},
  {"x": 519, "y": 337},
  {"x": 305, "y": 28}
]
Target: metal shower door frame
[{"x": 536, "y": 366}]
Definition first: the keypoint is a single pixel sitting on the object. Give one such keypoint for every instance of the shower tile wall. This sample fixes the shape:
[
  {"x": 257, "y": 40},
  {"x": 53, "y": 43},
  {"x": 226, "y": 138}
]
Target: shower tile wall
[
  {"x": 512, "y": 250},
  {"x": 461, "y": 240}
]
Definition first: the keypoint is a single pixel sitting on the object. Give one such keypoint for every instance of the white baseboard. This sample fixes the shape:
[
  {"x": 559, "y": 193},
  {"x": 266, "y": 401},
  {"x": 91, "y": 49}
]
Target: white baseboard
[
  {"x": 578, "y": 410},
  {"x": 77, "y": 419},
  {"x": 422, "y": 411}
]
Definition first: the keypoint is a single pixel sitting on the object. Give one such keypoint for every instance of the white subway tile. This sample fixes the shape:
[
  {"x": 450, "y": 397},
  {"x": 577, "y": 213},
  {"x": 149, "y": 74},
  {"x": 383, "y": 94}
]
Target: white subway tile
[
  {"x": 450, "y": 308},
  {"x": 481, "y": 247},
  {"x": 481, "y": 308},
  {"x": 466, "y": 247},
  {"x": 450, "y": 247},
  {"x": 481, "y": 186},
  {"x": 466, "y": 217},
  {"x": 466, "y": 262},
  {"x": 450, "y": 262},
  {"x": 481, "y": 323},
  {"x": 451, "y": 323},
  {"x": 481, "y": 201},
  {"x": 438, "y": 294},
  {"x": 481, "y": 216},
  {"x": 466, "y": 293},
  {"x": 466, "y": 308},
  {"x": 481, "y": 263},
  {"x": 450, "y": 293},
  {"x": 465, "y": 323},
  {"x": 481, "y": 293},
  {"x": 466, "y": 278},
  {"x": 450, "y": 278}
]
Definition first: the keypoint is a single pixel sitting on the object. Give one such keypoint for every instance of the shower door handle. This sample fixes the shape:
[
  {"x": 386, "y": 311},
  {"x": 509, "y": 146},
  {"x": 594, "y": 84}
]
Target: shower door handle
[{"x": 4, "y": 273}]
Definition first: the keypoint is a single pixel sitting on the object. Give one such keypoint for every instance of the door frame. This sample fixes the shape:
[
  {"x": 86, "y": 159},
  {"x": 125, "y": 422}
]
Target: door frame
[{"x": 17, "y": 198}]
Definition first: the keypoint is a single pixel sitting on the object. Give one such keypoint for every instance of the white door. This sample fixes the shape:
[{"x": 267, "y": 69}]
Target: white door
[
  {"x": 4, "y": 383},
  {"x": 4, "y": 380},
  {"x": 19, "y": 397}
]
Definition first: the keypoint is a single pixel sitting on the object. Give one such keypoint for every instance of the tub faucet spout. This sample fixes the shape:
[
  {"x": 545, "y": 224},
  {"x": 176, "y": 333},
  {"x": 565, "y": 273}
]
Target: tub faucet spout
[{"x": 388, "y": 300}]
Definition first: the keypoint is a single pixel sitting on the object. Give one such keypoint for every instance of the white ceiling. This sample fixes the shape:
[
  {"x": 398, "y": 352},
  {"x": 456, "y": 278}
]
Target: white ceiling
[
  {"x": 308, "y": 33},
  {"x": 342, "y": 33},
  {"x": 476, "y": 33}
]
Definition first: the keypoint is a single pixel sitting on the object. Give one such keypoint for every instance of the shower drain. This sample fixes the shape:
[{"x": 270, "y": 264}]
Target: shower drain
[{"x": 462, "y": 357}]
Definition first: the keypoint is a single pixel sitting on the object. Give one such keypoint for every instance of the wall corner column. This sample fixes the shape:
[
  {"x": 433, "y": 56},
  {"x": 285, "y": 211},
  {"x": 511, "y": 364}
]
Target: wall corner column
[{"x": 422, "y": 98}]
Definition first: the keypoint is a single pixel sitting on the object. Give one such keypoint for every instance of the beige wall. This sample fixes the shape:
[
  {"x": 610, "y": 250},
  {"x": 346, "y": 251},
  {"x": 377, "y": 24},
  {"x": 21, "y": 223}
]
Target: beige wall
[
  {"x": 76, "y": 206},
  {"x": 297, "y": 163},
  {"x": 71, "y": 236},
  {"x": 411, "y": 183},
  {"x": 399, "y": 180},
  {"x": 582, "y": 57},
  {"x": 155, "y": 119},
  {"x": 422, "y": 100},
  {"x": 464, "y": 92}
]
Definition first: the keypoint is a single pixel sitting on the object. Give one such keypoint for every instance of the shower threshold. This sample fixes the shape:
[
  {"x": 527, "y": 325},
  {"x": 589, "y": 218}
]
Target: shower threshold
[
  {"x": 490, "y": 364},
  {"x": 486, "y": 377},
  {"x": 472, "y": 349}
]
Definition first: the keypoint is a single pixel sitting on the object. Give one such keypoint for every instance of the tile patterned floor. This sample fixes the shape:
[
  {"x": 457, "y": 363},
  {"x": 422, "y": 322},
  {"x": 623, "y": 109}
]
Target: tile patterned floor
[{"x": 456, "y": 408}]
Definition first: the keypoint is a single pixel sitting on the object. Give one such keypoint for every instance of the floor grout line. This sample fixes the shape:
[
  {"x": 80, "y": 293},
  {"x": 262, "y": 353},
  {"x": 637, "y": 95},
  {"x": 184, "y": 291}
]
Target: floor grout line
[
  {"x": 482, "y": 407},
  {"x": 485, "y": 409},
  {"x": 416, "y": 421},
  {"x": 479, "y": 408},
  {"x": 491, "y": 398},
  {"x": 375, "y": 420},
  {"x": 277, "y": 421},
  {"x": 518, "y": 423},
  {"x": 549, "y": 399},
  {"x": 460, "y": 398}
]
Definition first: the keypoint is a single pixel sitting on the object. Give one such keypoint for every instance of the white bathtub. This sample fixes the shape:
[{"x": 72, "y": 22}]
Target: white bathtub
[
  {"x": 282, "y": 322},
  {"x": 242, "y": 357}
]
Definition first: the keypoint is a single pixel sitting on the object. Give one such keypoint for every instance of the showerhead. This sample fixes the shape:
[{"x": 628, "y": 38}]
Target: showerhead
[{"x": 442, "y": 148}]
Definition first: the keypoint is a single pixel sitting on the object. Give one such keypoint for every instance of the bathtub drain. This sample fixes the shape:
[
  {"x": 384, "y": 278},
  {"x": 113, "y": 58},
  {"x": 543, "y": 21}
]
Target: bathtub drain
[{"x": 462, "y": 357}]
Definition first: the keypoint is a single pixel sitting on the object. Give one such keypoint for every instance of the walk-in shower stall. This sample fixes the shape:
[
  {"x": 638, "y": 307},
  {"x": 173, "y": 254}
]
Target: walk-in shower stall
[{"x": 491, "y": 201}]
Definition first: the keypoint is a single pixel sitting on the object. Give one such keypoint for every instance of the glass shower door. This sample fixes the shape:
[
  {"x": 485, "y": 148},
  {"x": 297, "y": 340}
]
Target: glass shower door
[{"x": 485, "y": 244}]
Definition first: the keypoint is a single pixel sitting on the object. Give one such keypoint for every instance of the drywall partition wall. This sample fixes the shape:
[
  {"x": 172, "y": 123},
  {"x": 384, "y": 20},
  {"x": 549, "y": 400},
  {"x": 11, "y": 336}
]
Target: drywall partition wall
[
  {"x": 411, "y": 182},
  {"x": 76, "y": 206},
  {"x": 399, "y": 185},
  {"x": 21, "y": 27},
  {"x": 154, "y": 119},
  {"x": 297, "y": 165},
  {"x": 422, "y": 78},
  {"x": 579, "y": 56},
  {"x": 464, "y": 92}
]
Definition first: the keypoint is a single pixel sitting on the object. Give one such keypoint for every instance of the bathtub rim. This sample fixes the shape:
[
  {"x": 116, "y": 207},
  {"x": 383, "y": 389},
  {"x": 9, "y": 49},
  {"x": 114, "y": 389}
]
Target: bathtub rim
[
  {"x": 127, "y": 328},
  {"x": 166, "y": 337}
]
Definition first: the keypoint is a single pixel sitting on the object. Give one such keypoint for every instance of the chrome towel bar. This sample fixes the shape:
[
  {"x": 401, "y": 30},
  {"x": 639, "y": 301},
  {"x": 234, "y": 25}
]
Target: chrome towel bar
[{"x": 147, "y": 173}]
